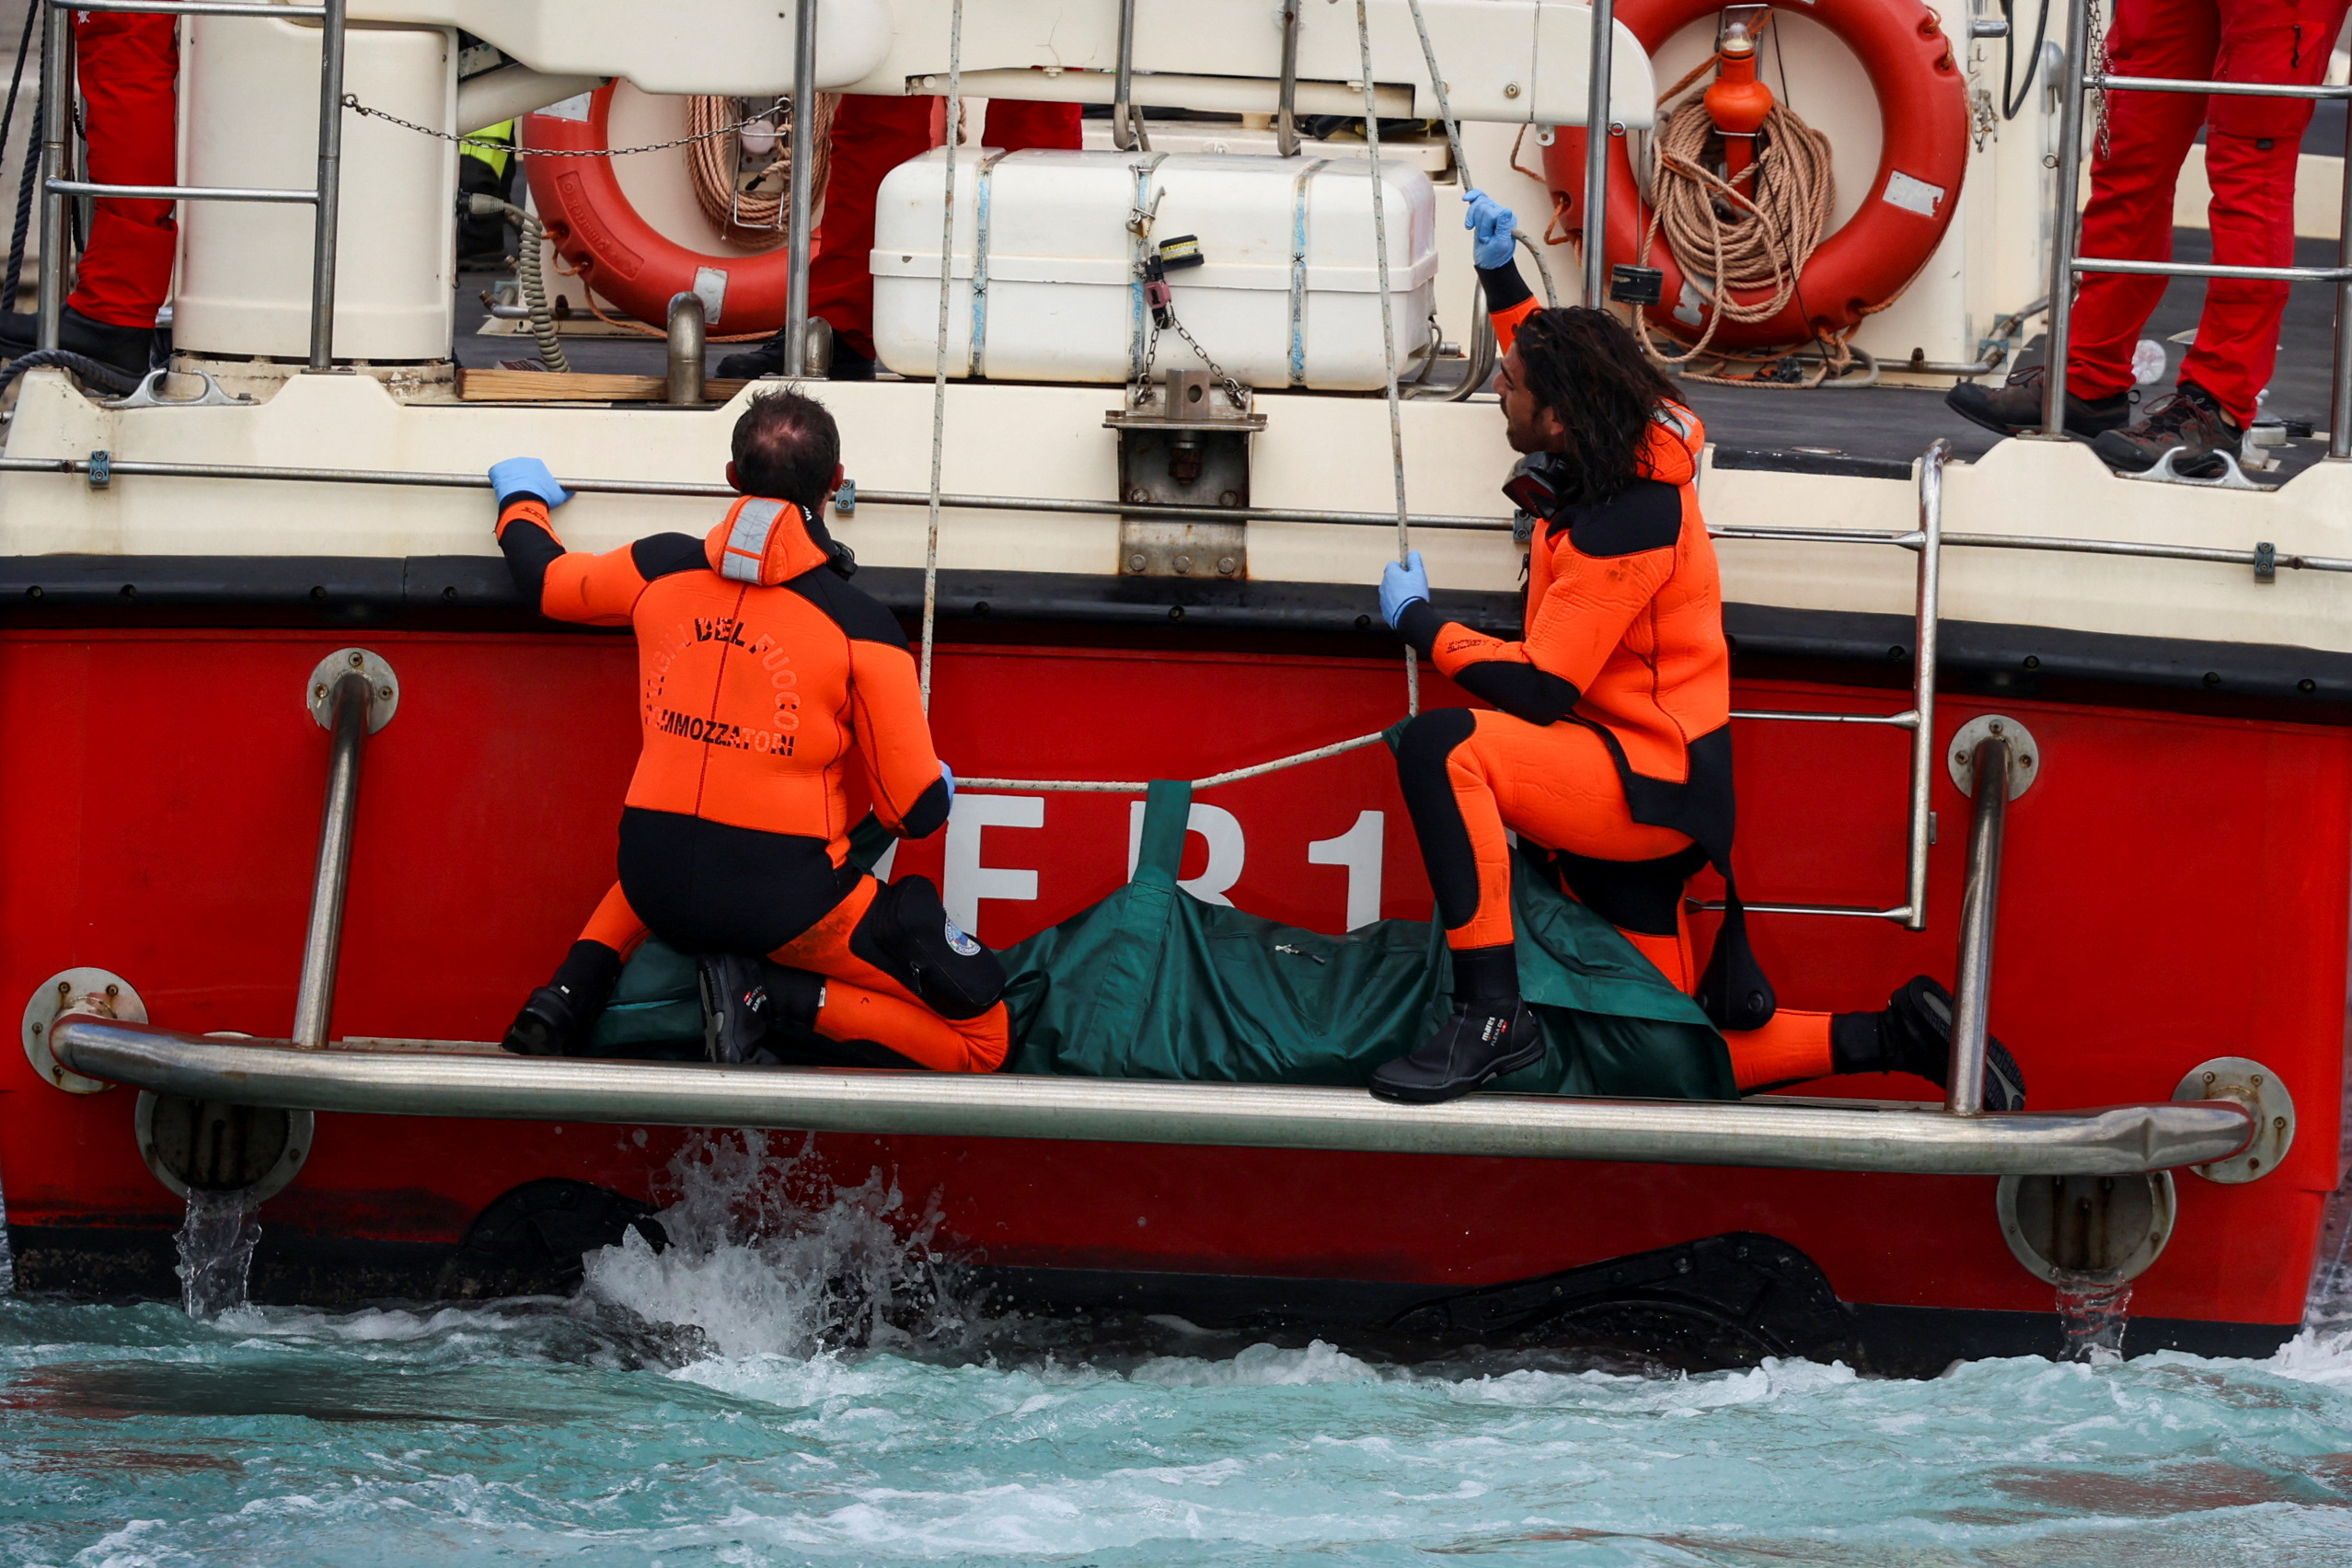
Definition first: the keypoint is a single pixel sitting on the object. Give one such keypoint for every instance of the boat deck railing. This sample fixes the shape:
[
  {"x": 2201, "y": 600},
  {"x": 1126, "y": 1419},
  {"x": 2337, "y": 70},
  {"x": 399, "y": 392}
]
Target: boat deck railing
[{"x": 2067, "y": 265}]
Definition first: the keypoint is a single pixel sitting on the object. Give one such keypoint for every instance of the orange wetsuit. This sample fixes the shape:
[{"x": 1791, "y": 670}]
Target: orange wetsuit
[
  {"x": 763, "y": 677},
  {"x": 1609, "y": 743}
]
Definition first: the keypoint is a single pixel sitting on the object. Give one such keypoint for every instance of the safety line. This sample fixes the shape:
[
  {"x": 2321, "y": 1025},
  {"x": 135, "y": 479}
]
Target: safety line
[
  {"x": 1134, "y": 787},
  {"x": 1387, "y": 329},
  {"x": 939, "y": 367}
]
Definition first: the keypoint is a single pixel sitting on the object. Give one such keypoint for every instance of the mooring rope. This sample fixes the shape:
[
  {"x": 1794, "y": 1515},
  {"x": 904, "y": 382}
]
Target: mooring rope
[{"x": 1387, "y": 327}]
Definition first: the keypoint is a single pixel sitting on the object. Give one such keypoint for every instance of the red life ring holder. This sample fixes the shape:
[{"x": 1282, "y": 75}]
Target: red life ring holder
[
  {"x": 1923, "y": 108},
  {"x": 621, "y": 255}
]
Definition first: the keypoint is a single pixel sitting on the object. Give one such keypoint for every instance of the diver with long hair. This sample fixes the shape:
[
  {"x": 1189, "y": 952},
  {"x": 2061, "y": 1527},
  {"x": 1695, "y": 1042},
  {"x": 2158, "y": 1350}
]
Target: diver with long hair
[{"x": 1609, "y": 739}]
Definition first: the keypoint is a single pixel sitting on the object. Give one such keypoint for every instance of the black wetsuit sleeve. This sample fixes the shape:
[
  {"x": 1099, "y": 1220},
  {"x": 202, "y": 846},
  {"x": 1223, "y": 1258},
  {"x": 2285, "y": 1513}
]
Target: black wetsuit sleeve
[
  {"x": 529, "y": 549},
  {"x": 1503, "y": 286},
  {"x": 1521, "y": 690},
  {"x": 1419, "y": 624}
]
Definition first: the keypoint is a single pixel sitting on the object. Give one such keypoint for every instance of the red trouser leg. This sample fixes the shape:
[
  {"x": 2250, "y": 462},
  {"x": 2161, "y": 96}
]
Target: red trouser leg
[
  {"x": 2130, "y": 215},
  {"x": 130, "y": 75},
  {"x": 1016, "y": 125},
  {"x": 871, "y": 137},
  {"x": 863, "y": 1002},
  {"x": 2249, "y": 159}
]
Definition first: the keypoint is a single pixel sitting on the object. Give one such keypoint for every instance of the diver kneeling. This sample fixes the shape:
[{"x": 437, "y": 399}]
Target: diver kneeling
[
  {"x": 764, "y": 678},
  {"x": 1608, "y": 743}
]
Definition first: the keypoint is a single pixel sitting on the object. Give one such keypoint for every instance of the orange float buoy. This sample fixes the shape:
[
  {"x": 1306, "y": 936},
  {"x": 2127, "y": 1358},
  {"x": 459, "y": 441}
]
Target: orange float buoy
[
  {"x": 1923, "y": 108},
  {"x": 621, "y": 256}
]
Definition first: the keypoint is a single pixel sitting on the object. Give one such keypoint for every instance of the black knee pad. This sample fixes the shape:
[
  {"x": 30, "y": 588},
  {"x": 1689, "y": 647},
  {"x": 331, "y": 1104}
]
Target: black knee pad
[{"x": 907, "y": 935}]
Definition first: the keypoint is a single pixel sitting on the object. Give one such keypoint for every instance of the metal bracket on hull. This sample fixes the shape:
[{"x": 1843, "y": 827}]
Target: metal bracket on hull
[
  {"x": 97, "y": 992},
  {"x": 449, "y": 1078},
  {"x": 2265, "y": 1099},
  {"x": 2071, "y": 1228},
  {"x": 219, "y": 1146}
]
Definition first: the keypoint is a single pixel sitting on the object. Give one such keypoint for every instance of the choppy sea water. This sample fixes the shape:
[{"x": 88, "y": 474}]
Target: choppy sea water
[{"x": 796, "y": 1383}]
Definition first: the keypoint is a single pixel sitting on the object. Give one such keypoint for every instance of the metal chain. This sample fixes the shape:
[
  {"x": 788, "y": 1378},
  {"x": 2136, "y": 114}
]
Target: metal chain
[
  {"x": 352, "y": 102},
  {"x": 1232, "y": 388},
  {"x": 2099, "y": 68}
]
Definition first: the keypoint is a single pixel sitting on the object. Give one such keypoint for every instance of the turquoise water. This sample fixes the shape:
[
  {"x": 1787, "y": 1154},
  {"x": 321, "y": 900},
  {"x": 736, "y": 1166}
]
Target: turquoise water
[{"x": 701, "y": 1407}]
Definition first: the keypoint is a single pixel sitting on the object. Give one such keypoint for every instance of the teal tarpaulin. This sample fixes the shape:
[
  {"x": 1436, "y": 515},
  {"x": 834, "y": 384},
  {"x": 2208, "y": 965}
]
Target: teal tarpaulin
[{"x": 1153, "y": 982}]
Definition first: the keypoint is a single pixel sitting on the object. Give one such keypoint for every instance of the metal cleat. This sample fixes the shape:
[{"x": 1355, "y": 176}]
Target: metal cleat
[
  {"x": 2164, "y": 472},
  {"x": 147, "y": 395}
]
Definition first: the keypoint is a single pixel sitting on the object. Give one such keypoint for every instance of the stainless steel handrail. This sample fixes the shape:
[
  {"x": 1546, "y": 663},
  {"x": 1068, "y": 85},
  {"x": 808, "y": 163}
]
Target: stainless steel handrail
[
  {"x": 1964, "y": 1092},
  {"x": 323, "y": 199},
  {"x": 2066, "y": 264},
  {"x": 1929, "y": 539},
  {"x": 1598, "y": 60},
  {"x": 1861, "y": 1136},
  {"x": 322, "y": 943},
  {"x": 799, "y": 194}
]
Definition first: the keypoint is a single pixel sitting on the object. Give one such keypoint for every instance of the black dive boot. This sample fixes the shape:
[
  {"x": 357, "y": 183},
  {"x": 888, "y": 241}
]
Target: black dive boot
[
  {"x": 1913, "y": 1035},
  {"x": 562, "y": 1015},
  {"x": 1490, "y": 1033},
  {"x": 737, "y": 1012},
  {"x": 767, "y": 359}
]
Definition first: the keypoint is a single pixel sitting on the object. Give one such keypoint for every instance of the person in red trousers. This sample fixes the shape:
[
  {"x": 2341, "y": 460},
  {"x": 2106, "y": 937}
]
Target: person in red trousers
[
  {"x": 871, "y": 137},
  {"x": 130, "y": 77},
  {"x": 2251, "y": 147}
]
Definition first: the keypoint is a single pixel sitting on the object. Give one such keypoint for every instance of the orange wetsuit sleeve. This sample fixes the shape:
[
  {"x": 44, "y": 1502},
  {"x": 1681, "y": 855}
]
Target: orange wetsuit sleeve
[
  {"x": 886, "y": 711},
  {"x": 567, "y": 585},
  {"x": 1509, "y": 301},
  {"x": 1605, "y": 570}
]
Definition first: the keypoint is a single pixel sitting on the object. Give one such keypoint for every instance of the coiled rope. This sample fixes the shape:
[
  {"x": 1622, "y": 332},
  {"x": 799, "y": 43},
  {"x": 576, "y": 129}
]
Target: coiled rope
[
  {"x": 1396, "y": 425},
  {"x": 1739, "y": 237},
  {"x": 755, "y": 217}
]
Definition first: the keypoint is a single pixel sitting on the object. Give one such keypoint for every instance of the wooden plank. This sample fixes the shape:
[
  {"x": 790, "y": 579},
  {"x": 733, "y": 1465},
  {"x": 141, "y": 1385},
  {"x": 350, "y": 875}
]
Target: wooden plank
[{"x": 576, "y": 387}]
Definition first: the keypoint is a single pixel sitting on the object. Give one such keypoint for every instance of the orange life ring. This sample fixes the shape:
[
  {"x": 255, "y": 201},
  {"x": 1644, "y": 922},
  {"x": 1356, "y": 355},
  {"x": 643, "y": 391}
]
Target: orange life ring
[
  {"x": 621, "y": 255},
  {"x": 1923, "y": 108}
]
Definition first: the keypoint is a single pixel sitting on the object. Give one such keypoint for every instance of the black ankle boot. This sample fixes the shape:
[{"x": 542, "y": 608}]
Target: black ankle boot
[
  {"x": 1913, "y": 1035},
  {"x": 1490, "y": 1033},
  {"x": 126, "y": 349},
  {"x": 737, "y": 1012},
  {"x": 560, "y": 1017}
]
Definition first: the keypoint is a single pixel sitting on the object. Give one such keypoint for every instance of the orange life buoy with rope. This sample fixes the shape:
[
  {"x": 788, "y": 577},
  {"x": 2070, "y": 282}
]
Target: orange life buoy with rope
[
  {"x": 624, "y": 258},
  {"x": 1923, "y": 109}
]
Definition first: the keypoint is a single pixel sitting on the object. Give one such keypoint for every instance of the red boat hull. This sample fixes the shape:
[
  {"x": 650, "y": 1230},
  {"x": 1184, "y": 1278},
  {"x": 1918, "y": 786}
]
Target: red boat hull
[{"x": 2175, "y": 888}]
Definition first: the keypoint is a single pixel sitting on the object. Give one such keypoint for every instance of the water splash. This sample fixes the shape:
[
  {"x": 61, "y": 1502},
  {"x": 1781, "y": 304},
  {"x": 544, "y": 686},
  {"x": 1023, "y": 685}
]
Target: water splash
[
  {"x": 8, "y": 1253},
  {"x": 2094, "y": 1309},
  {"x": 769, "y": 1255},
  {"x": 216, "y": 1243}
]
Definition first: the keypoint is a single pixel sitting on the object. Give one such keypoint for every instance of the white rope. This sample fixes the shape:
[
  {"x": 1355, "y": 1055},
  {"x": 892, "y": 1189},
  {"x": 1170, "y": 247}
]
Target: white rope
[
  {"x": 1135, "y": 787},
  {"x": 1388, "y": 323},
  {"x": 939, "y": 367}
]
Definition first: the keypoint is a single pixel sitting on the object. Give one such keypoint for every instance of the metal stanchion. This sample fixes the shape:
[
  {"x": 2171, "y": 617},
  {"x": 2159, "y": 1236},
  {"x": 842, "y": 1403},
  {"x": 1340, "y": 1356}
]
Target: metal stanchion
[
  {"x": 802, "y": 196},
  {"x": 331, "y": 180},
  {"x": 1597, "y": 134},
  {"x": 2063, "y": 230},
  {"x": 1964, "y": 1092},
  {"x": 57, "y": 118},
  {"x": 352, "y": 693}
]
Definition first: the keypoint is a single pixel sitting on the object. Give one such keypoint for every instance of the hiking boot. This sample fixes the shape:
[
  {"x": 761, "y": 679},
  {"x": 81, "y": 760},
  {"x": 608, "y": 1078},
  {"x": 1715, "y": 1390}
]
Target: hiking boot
[
  {"x": 736, "y": 1011},
  {"x": 126, "y": 349},
  {"x": 560, "y": 1017},
  {"x": 2190, "y": 420},
  {"x": 1481, "y": 1042},
  {"x": 1913, "y": 1035},
  {"x": 2017, "y": 405}
]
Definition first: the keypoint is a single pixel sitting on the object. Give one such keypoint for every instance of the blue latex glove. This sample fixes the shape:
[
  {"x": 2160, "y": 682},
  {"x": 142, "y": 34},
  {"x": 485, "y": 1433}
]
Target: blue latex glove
[
  {"x": 947, "y": 774},
  {"x": 1401, "y": 584},
  {"x": 1489, "y": 223},
  {"x": 526, "y": 476}
]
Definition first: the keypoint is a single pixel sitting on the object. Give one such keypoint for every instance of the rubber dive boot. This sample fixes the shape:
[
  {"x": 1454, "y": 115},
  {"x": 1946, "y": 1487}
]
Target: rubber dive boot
[
  {"x": 560, "y": 1017},
  {"x": 736, "y": 1011},
  {"x": 767, "y": 359},
  {"x": 1483, "y": 1041},
  {"x": 1913, "y": 1035},
  {"x": 2016, "y": 406},
  {"x": 126, "y": 349}
]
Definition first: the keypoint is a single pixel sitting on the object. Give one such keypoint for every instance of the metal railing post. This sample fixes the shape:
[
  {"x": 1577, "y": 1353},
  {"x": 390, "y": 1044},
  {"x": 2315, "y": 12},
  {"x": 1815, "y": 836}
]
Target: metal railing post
[
  {"x": 2339, "y": 410},
  {"x": 322, "y": 943},
  {"x": 1927, "y": 626},
  {"x": 686, "y": 346},
  {"x": 1597, "y": 121},
  {"x": 802, "y": 195},
  {"x": 1125, "y": 120},
  {"x": 329, "y": 190},
  {"x": 56, "y": 117},
  {"x": 2062, "y": 226},
  {"x": 1964, "y": 1093}
]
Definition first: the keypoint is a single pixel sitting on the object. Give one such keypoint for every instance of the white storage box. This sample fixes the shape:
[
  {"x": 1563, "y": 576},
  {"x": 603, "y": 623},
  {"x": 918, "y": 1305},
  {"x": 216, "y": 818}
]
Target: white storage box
[{"x": 1047, "y": 234}]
